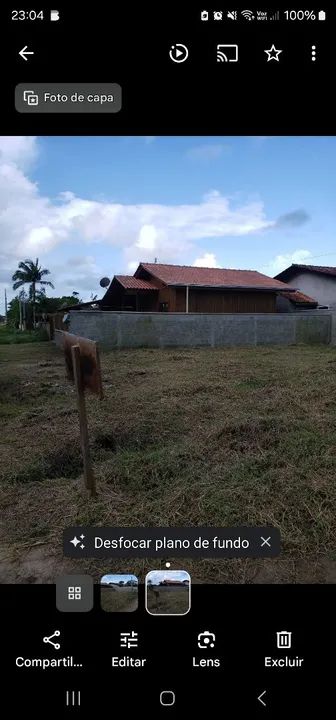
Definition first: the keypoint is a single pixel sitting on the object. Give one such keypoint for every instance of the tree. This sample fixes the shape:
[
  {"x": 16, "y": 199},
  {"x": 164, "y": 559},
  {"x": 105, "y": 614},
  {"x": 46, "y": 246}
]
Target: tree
[
  {"x": 54, "y": 304},
  {"x": 19, "y": 311},
  {"x": 30, "y": 272}
]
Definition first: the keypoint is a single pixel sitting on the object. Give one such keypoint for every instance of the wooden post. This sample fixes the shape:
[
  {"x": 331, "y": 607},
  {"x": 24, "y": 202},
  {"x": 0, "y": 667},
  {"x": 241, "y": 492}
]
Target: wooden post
[
  {"x": 24, "y": 323},
  {"x": 187, "y": 298},
  {"x": 89, "y": 478}
]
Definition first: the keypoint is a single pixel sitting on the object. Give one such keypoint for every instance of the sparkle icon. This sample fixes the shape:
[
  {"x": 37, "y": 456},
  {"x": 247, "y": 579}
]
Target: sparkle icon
[
  {"x": 273, "y": 53},
  {"x": 75, "y": 541}
]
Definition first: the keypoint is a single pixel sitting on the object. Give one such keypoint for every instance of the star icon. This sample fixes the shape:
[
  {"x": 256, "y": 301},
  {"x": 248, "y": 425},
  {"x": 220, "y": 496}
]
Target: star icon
[
  {"x": 75, "y": 541},
  {"x": 273, "y": 53}
]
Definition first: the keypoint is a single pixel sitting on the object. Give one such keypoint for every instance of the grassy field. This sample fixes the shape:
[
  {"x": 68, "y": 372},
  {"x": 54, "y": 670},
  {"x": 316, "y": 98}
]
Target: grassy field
[
  {"x": 119, "y": 599},
  {"x": 183, "y": 437},
  {"x": 10, "y": 336},
  {"x": 168, "y": 601}
]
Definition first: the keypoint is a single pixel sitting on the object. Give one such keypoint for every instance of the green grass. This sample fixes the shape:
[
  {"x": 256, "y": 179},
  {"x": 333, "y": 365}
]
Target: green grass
[
  {"x": 214, "y": 437},
  {"x": 114, "y": 600},
  {"x": 11, "y": 336},
  {"x": 168, "y": 601}
]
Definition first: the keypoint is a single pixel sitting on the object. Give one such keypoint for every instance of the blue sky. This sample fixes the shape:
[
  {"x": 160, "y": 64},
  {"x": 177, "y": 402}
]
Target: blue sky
[
  {"x": 156, "y": 576},
  {"x": 91, "y": 206},
  {"x": 118, "y": 578}
]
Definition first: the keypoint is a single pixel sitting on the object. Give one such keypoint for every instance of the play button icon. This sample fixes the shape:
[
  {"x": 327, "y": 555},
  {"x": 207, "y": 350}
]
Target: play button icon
[{"x": 178, "y": 53}]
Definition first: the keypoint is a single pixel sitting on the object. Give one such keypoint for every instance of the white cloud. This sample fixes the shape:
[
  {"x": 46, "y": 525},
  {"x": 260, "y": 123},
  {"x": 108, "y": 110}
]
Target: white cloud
[
  {"x": 207, "y": 260},
  {"x": 80, "y": 273},
  {"x": 32, "y": 224},
  {"x": 281, "y": 262},
  {"x": 206, "y": 152},
  {"x": 18, "y": 149},
  {"x": 147, "y": 237},
  {"x": 132, "y": 266}
]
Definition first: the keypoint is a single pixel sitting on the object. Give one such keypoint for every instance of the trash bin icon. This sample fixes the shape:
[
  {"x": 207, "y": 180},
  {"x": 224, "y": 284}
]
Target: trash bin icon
[{"x": 284, "y": 639}]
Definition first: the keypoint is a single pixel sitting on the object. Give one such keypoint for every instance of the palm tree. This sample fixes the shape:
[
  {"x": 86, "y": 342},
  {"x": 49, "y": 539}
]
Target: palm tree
[{"x": 30, "y": 272}]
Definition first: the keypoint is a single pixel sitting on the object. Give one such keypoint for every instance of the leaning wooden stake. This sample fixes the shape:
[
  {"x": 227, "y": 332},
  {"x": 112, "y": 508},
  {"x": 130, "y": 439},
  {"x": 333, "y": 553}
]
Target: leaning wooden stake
[{"x": 89, "y": 478}]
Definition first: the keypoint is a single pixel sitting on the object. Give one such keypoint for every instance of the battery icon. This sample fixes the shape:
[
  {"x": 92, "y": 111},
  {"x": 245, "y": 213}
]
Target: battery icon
[
  {"x": 321, "y": 15},
  {"x": 54, "y": 15}
]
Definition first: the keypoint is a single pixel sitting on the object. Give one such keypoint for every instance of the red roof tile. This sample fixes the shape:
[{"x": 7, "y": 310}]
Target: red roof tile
[
  {"x": 212, "y": 277},
  {"x": 326, "y": 270},
  {"x": 295, "y": 268},
  {"x": 129, "y": 282},
  {"x": 299, "y": 298}
]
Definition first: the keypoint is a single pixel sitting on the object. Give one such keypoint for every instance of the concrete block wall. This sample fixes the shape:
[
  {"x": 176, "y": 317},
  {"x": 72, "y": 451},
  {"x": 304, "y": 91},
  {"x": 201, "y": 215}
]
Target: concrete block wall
[{"x": 115, "y": 330}]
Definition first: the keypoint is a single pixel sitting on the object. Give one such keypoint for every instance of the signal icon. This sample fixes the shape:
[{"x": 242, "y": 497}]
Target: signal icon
[{"x": 247, "y": 14}]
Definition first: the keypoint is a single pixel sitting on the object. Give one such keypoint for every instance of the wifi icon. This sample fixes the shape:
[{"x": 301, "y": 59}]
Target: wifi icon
[
  {"x": 221, "y": 57},
  {"x": 247, "y": 14}
]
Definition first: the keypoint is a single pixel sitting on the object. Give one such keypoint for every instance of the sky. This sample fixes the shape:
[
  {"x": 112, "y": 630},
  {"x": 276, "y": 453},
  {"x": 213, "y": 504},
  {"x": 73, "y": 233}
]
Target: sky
[
  {"x": 90, "y": 207},
  {"x": 118, "y": 578},
  {"x": 156, "y": 576}
]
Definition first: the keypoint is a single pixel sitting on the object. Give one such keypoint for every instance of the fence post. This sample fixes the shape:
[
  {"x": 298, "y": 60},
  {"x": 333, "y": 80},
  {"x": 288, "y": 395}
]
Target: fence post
[{"x": 89, "y": 478}]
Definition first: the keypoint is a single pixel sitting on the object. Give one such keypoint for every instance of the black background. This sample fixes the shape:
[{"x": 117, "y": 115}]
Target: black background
[
  {"x": 245, "y": 620},
  {"x": 130, "y": 46}
]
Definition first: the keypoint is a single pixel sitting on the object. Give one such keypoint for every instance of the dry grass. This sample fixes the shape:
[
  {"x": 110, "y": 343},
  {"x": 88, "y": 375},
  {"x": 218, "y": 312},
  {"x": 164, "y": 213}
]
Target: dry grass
[
  {"x": 183, "y": 437},
  {"x": 168, "y": 601},
  {"x": 119, "y": 600}
]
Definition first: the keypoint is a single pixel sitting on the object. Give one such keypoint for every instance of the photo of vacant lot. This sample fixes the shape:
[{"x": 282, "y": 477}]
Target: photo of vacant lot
[
  {"x": 168, "y": 593},
  {"x": 205, "y": 268},
  {"x": 183, "y": 437},
  {"x": 119, "y": 593}
]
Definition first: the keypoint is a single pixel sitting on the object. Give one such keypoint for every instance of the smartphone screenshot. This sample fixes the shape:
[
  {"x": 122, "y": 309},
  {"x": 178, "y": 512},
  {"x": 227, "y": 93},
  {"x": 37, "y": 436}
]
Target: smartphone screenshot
[{"x": 167, "y": 360}]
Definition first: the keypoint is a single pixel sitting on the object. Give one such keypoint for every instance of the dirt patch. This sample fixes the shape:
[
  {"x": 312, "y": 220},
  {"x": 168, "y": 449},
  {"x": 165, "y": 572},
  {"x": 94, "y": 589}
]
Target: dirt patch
[{"x": 34, "y": 565}]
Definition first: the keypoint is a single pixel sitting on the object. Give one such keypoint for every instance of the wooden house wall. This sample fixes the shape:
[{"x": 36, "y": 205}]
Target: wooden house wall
[{"x": 219, "y": 301}]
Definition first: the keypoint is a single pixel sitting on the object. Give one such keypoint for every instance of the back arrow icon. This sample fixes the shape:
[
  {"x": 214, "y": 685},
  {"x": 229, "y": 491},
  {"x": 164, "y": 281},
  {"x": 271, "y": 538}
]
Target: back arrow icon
[
  {"x": 25, "y": 52},
  {"x": 260, "y": 698}
]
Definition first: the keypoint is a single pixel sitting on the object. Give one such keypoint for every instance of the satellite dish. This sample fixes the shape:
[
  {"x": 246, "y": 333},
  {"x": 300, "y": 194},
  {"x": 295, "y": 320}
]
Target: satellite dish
[{"x": 105, "y": 281}]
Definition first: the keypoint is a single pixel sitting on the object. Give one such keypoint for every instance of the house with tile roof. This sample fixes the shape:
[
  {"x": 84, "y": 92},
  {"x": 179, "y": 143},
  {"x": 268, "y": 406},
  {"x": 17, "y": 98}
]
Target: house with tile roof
[
  {"x": 318, "y": 281},
  {"x": 295, "y": 302},
  {"x": 157, "y": 287}
]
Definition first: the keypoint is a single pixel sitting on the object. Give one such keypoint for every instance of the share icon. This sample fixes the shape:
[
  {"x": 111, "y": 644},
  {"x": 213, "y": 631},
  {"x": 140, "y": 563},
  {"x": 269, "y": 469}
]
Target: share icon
[{"x": 49, "y": 639}]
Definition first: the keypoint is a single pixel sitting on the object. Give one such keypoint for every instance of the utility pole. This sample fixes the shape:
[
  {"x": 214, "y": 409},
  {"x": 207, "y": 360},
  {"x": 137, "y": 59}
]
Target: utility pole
[{"x": 6, "y": 305}]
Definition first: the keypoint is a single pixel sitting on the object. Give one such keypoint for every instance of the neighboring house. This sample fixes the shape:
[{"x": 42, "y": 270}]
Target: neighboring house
[
  {"x": 315, "y": 280},
  {"x": 180, "y": 288},
  {"x": 294, "y": 302}
]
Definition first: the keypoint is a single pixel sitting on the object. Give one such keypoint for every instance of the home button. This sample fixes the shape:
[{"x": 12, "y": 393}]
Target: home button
[{"x": 167, "y": 698}]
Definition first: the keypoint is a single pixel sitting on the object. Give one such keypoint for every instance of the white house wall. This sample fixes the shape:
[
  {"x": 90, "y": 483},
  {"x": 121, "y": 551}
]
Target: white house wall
[{"x": 320, "y": 287}]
